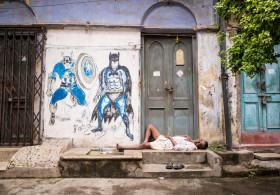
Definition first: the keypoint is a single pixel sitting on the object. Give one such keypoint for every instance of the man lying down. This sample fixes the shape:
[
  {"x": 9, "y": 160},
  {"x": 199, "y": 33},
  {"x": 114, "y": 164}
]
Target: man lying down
[{"x": 179, "y": 143}]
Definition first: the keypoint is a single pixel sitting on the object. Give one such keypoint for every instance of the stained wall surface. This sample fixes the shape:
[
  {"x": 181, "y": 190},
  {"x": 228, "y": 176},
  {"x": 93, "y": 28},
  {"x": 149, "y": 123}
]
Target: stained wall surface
[
  {"x": 210, "y": 103},
  {"x": 106, "y": 12}
]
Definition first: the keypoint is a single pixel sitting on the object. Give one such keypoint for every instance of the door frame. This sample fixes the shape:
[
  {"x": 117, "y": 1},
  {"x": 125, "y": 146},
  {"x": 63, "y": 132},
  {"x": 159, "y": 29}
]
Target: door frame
[{"x": 194, "y": 85}]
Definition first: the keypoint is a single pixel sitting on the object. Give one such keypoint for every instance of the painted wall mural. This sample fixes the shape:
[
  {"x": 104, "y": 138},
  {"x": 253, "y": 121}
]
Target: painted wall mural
[
  {"x": 114, "y": 95},
  {"x": 65, "y": 70},
  {"x": 77, "y": 79}
]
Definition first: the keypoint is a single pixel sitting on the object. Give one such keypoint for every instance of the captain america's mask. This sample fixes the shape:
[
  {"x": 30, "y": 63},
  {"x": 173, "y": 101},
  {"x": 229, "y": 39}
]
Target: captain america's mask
[{"x": 67, "y": 61}]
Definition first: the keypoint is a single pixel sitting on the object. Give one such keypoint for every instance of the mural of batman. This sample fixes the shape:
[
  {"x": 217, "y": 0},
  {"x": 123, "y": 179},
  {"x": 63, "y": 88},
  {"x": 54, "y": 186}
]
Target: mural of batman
[{"x": 114, "y": 95}]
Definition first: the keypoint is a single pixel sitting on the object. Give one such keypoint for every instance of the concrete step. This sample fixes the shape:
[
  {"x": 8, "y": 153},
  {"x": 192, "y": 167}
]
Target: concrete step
[
  {"x": 267, "y": 156},
  {"x": 7, "y": 153},
  {"x": 4, "y": 166},
  {"x": 138, "y": 163},
  {"x": 163, "y": 156},
  {"x": 190, "y": 170}
]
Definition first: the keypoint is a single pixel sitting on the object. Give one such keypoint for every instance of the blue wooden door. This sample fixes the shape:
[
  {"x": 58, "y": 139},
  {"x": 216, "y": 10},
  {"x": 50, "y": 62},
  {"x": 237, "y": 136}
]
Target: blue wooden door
[{"x": 261, "y": 99}]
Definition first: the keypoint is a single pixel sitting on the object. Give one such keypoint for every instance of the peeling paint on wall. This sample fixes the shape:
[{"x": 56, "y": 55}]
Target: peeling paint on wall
[
  {"x": 209, "y": 87},
  {"x": 234, "y": 89}
]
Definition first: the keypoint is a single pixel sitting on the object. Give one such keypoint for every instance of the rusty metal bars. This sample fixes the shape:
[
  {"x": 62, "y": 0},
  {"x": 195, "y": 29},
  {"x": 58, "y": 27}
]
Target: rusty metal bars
[{"x": 21, "y": 66}]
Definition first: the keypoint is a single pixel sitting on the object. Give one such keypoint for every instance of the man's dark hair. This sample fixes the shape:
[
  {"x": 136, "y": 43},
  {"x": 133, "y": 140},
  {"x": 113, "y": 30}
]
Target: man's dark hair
[{"x": 204, "y": 146}]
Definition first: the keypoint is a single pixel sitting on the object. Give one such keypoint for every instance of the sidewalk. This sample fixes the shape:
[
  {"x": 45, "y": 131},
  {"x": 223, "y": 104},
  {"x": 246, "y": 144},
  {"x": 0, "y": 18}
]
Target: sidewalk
[{"x": 215, "y": 186}]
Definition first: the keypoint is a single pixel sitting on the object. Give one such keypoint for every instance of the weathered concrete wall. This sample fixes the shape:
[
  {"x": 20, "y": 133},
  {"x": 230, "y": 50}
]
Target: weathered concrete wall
[
  {"x": 210, "y": 103},
  {"x": 234, "y": 98},
  {"x": 72, "y": 105},
  {"x": 109, "y": 12}
]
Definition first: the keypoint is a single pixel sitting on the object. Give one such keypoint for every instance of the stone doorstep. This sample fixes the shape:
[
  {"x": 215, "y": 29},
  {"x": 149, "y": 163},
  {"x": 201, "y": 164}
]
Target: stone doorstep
[
  {"x": 235, "y": 157},
  {"x": 7, "y": 153},
  {"x": 162, "y": 156},
  {"x": 190, "y": 170},
  {"x": 4, "y": 166},
  {"x": 84, "y": 154},
  {"x": 267, "y": 156},
  {"x": 31, "y": 172},
  {"x": 154, "y": 168}
]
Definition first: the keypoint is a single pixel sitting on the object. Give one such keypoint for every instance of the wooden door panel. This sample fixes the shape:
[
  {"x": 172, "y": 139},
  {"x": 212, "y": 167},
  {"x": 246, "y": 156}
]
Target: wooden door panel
[
  {"x": 273, "y": 115},
  {"x": 261, "y": 99},
  {"x": 157, "y": 118},
  {"x": 272, "y": 92},
  {"x": 182, "y": 74},
  {"x": 156, "y": 61},
  {"x": 156, "y": 99},
  {"x": 251, "y": 111},
  {"x": 272, "y": 78},
  {"x": 182, "y": 98},
  {"x": 183, "y": 121},
  {"x": 170, "y": 112}
]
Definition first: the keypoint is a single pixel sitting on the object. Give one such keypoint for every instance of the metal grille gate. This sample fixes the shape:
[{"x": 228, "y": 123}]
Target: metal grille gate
[{"x": 21, "y": 63}]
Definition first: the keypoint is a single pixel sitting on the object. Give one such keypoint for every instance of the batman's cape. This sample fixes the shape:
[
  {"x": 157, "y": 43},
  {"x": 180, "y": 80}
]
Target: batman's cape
[{"x": 112, "y": 112}]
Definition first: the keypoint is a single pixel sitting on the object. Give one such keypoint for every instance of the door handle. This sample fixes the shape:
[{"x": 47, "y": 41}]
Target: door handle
[{"x": 170, "y": 90}]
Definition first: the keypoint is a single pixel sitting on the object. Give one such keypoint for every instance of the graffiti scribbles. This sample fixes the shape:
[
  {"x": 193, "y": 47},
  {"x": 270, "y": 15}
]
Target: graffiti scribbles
[
  {"x": 64, "y": 70},
  {"x": 114, "y": 95}
]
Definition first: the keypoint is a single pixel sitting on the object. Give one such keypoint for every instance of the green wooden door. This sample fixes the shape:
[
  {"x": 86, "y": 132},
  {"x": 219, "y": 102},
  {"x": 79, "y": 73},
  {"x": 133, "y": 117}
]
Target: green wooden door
[
  {"x": 168, "y": 85},
  {"x": 261, "y": 99}
]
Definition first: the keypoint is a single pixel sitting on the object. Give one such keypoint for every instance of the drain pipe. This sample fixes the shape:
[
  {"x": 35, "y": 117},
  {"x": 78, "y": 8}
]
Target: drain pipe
[{"x": 225, "y": 91}]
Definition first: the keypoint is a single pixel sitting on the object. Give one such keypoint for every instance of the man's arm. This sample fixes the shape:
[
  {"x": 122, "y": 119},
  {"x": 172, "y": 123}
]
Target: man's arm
[
  {"x": 186, "y": 136},
  {"x": 171, "y": 139}
]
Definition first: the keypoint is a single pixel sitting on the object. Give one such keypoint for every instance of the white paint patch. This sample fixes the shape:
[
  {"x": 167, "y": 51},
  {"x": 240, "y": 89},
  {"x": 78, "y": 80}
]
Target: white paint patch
[
  {"x": 270, "y": 71},
  {"x": 156, "y": 73}
]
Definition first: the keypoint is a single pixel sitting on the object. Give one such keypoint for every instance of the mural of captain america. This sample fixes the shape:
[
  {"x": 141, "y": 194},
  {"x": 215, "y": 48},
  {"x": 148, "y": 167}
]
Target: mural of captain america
[
  {"x": 114, "y": 95},
  {"x": 65, "y": 71}
]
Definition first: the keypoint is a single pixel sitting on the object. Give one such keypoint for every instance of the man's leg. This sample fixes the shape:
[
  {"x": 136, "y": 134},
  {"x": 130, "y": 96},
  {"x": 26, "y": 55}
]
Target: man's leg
[
  {"x": 151, "y": 130},
  {"x": 135, "y": 147}
]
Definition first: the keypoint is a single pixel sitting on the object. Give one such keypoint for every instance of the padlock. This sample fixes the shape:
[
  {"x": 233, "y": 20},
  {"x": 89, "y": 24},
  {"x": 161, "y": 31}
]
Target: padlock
[
  {"x": 264, "y": 86},
  {"x": 264, "y": 100}
]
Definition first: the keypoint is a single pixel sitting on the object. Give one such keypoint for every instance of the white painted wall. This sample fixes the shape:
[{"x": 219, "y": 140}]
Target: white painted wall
[{"x": 98, "y": 44}]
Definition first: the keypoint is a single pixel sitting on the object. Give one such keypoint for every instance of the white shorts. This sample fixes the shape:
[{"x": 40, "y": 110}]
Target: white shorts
[{"x": 161, "y": 143}]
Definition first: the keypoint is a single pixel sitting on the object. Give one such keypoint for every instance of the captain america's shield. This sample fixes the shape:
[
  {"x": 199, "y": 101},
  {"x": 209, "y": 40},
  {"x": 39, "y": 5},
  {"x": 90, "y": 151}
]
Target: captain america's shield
[{"x": 86, "y": 70}]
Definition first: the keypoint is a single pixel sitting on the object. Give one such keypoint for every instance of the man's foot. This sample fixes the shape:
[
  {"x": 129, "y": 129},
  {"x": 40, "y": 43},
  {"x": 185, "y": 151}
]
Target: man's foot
[
  {"x": 119, "y": 148},
  {"x": 96, "y": 130},
  {"x": 52, "y": 119}
]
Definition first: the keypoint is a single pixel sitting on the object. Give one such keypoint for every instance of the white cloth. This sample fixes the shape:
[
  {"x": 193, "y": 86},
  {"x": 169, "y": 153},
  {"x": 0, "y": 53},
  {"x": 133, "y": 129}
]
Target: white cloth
[{"x": 163, "y": 143}]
